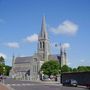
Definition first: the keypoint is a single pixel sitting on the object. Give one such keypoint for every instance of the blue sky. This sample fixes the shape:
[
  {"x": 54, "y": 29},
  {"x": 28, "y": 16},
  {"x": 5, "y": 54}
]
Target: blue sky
[{"x": 68, "y": 22}]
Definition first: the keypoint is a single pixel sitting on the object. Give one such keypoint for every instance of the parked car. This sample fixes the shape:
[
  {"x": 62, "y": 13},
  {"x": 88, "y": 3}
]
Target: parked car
[
  {"x": 83, "y": 78},
  {"x": 70, "y": 82}
]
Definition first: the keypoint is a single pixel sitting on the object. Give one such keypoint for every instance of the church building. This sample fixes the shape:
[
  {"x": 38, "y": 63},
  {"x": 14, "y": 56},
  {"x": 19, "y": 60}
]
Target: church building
[{"x": 27, "y": 68}]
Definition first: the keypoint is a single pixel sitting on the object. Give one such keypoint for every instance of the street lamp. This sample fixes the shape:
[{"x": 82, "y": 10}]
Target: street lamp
[
  {"x": 60, "y": 47},
  {"x": 56, "y": 45}
]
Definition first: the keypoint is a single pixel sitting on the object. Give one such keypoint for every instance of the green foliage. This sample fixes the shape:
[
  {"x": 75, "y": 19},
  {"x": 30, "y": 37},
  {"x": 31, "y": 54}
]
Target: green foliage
[
  {"x": 83, "y": 68},
  {"x": 74, "y": 70},
  {"x": 51, "y": 67},
  {"x": 65, "y": 68},
  {"x": 88, "y": 68},
  {"x": 2, "y": 64},
  {"x": 7, "y": 70},
  {"x": 2, "y": 60},
  {"x": 1, "y": 69},
  {"x": 4, "y": 69}
]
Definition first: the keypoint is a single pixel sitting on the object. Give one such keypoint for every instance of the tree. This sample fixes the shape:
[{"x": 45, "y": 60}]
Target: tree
[
  {"x": 1, "y": 69},
  {"x": 88, "y": 68},
  {"x": 4, "y": 69},
  {"x": 74, "y": 69},
  {"x": 83, "y": 68},
  {"x": 7, "y": 70},
  {"x": 51, "y": 67},
  {"x": 2, "y": 60},
  {"x": 2, "y": 64},
  {"x": 65, "y": 68}
]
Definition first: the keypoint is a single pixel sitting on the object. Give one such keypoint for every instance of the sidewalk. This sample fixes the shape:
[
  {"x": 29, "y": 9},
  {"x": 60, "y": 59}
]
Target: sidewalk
[
  {"x": 3, "y": 87},
  {"x": 46, "y": 82},
  {"x": 50, "y": 82}
]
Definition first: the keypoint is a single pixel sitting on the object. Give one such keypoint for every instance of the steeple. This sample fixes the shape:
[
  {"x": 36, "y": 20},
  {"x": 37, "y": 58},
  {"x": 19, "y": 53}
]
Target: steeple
[
  {"x": 43, "y": 41},
  {"x": 43, "y": 32}
]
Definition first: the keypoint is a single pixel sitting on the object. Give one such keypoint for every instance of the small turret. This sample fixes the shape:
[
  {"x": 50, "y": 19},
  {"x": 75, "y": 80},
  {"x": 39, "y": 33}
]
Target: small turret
[
  {"x": 13, "y": 60},
  {"x": 63, "y": 56}
]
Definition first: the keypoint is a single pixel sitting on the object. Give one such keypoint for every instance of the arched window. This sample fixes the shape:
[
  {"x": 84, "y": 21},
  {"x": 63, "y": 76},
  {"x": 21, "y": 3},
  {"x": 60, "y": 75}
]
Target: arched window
[
  {"x": 43, "y": 45},
  {"x": 44, "y": 35},
  {"x": 40, "y": 45}
]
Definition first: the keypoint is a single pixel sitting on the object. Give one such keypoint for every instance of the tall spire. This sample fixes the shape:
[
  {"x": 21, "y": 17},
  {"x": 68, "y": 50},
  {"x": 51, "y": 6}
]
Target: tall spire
[
  {"x": 43, "y": 41},
  {"x": 43, "y": 32}
]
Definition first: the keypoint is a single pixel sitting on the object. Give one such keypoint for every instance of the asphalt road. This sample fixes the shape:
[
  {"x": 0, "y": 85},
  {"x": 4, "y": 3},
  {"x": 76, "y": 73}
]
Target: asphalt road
[{"x": 28, "y": 85}]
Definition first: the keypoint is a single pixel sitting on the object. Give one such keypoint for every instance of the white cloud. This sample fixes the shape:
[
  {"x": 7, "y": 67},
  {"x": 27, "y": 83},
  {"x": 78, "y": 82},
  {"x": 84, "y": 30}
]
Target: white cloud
[
  {"x": 65, "y": 45},
  {"x": 67, "y": 27},
  {"x": 13, "y": 45},
  {"x": 32, "y": 38},
  {"x": 3, "y": 55}
]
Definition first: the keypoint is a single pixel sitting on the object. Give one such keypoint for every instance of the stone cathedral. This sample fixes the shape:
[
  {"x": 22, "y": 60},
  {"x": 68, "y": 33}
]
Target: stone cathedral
[{"x": 27, "y": 68}]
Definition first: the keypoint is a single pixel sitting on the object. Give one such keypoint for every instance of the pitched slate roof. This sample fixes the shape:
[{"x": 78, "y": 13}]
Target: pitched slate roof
[
  {"x": 20, "y": 60},
  {"x": 21, "y": 69},
  {"x": 23, "y": 60}
]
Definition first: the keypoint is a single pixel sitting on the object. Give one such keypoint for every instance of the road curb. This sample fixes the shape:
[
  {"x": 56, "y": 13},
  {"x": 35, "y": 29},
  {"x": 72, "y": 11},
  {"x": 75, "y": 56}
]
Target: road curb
[{"x": 79, "y": 86}]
